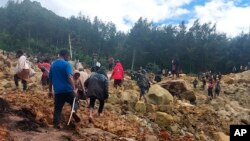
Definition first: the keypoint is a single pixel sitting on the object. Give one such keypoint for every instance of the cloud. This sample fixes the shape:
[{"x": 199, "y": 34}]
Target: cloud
[
  {"x": 123, "y": 13},
  {"x": 229, "y": 17}
]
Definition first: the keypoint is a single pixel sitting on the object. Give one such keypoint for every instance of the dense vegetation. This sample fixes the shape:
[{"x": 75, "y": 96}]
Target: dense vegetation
[{"x": 28, "y": 26}]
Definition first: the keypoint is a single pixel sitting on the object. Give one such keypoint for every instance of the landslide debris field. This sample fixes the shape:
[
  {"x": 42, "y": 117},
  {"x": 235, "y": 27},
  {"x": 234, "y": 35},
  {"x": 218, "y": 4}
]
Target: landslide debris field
[{"x": 27, "y": 116}]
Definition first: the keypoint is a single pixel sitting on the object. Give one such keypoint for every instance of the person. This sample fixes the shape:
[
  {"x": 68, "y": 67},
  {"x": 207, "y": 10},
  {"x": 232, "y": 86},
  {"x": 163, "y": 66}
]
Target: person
[
  {"x": 79, "y": 87},
  {"x": 217, "y": 88},
  {"x": 241, "y": 68},
  {"x": 83, "y": 77},
  {"x": 246, "y": 68},
  {"x": 144, "y": 84},
  {"x": 214, "y": 76},
  {"x": 210, "y": 88},
  {"x": 97, "y": 88},
  {"x": 22, "y": 69},
  {"x": 158, "y": 77},
  {"x": 117, "y": 74},
  {"x": 203, "y": 82},
  {"x": 219, "y": 76},
  {"x": 61, "y": 77},
  {"x": 234, "y": 69},
  {"x": 175, "y": 66},
  {"x": 195, "y": 82},
  {"x": 45, "y": 68},
  {"x": 142, "y": 70},
  {"x": 93, "y": 65},
  {"x": 164, "y": 72},
  {"x": 111, "y": 63}
]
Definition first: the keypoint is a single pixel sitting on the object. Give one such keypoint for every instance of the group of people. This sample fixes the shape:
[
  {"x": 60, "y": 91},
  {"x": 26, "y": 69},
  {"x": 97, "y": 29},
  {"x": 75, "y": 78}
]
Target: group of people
[
  {"x": 241, "y": 68},
  {"x": 212, "y": 81},
  {"x": 69, "y": 84}
]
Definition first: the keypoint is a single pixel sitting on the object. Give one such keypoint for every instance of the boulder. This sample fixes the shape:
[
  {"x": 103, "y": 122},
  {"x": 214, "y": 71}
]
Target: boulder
[
  {"x": 8, "y": 63},
  {"x": 164, "y": 119},
  {"x": 113, "y": 99},
  {"x": 7, "y": 85},
  {"x": 227, "y": 79},
  {"x": 158, "y": 95},
  {"x": 220, "y": 136},
  {"x": 165, "y": 108},
  {"x": 151, "y": 138},
  {"x": 129, "y": 96},
  {"x": 2, "y": 75},
  {"x": 175, "y": 87},
  {"x": 175, "y": 128},
  {"x": 150, "y": 108},
  {"x": 188, "y": 95},
  {"x": 140, "y": 107}
]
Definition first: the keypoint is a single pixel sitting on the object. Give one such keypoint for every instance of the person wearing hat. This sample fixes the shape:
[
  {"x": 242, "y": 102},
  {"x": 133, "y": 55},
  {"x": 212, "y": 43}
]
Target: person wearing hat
[{"x": 117, "y": 74}]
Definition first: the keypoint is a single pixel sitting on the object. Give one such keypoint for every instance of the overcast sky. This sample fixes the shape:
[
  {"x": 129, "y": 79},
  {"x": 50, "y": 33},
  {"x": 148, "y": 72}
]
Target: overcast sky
[{"x": 231, "y": 16}]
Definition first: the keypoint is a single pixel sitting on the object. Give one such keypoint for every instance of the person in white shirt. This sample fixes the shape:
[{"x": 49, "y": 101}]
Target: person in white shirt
[{"x": 22, "y": 70}]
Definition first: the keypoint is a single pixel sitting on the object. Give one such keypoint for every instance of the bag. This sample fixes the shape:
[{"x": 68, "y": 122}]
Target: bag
[
  {"x": 31, "y": 72},
  {"x": 143, "y": 81},
  {"x": 24, "y": 74}
]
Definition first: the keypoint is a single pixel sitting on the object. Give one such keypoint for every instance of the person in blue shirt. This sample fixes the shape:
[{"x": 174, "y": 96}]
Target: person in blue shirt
[{"x": 61, "y": 77}]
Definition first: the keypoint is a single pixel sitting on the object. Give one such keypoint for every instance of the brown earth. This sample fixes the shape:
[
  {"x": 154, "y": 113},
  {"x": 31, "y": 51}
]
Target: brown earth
[{"x": 26, "y": 116}]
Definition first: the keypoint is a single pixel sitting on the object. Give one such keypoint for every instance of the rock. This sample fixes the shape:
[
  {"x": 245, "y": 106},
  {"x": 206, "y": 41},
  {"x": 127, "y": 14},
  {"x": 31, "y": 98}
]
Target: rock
[
  {"x": 164, "y": 119},
  {"x": 2, "y": 75},
  {"x": 151, "y": 138},
  {"x": 150, "y": 108},
  {"x": 158, "y": 95},
  {"x": 7, "y": 85},
  {"x": 182, "y": 75},
  {"x": 140, "y": 107},
  {"x": 130, "y": 85},
  {"x": 220, "y": 136},
  {"x": 8, "y": 63},
  {"x": 175, "y": 87},
  {"x": 165, "y": 108},
  {"x": 113, "y": 99},
  {"x": 227, "y": 79},
  {"x": 188, "y": 95},
  {"x": 175, "y": 128},
  {"x": 129, "y": 96}
]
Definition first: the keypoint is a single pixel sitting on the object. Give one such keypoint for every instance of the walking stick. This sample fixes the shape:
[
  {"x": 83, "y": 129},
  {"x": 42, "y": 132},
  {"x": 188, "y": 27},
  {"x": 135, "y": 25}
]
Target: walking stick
[{"x": 72, "y": 110}]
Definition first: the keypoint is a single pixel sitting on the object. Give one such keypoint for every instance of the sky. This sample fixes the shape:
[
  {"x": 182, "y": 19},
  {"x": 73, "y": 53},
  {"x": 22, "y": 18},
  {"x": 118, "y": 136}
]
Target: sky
[{"x": 231, "y": 16}]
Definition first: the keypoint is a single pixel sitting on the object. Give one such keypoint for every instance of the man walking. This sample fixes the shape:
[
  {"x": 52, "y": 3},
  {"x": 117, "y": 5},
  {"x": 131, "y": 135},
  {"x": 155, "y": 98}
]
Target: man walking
[{"x": 61, "y": 77}]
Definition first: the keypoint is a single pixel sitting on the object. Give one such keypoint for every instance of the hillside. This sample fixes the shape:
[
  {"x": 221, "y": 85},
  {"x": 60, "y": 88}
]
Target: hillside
[
  {"x": 28, "y": 115},
  {"x": 28, "y": 26}
]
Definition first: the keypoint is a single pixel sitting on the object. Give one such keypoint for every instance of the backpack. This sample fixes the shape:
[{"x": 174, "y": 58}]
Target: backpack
[{"x": 143, "y": 81}]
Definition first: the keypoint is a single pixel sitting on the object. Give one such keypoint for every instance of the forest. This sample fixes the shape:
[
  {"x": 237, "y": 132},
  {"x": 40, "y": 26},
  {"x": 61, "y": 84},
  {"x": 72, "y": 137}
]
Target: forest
[{"x": 28, "y": 26}]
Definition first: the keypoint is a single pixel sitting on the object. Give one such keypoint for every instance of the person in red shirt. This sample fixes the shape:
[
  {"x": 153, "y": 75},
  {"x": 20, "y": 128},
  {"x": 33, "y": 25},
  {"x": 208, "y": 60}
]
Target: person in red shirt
[
  {"x": 118, "y": 74},
  {"x": 45, "y": 68}
]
